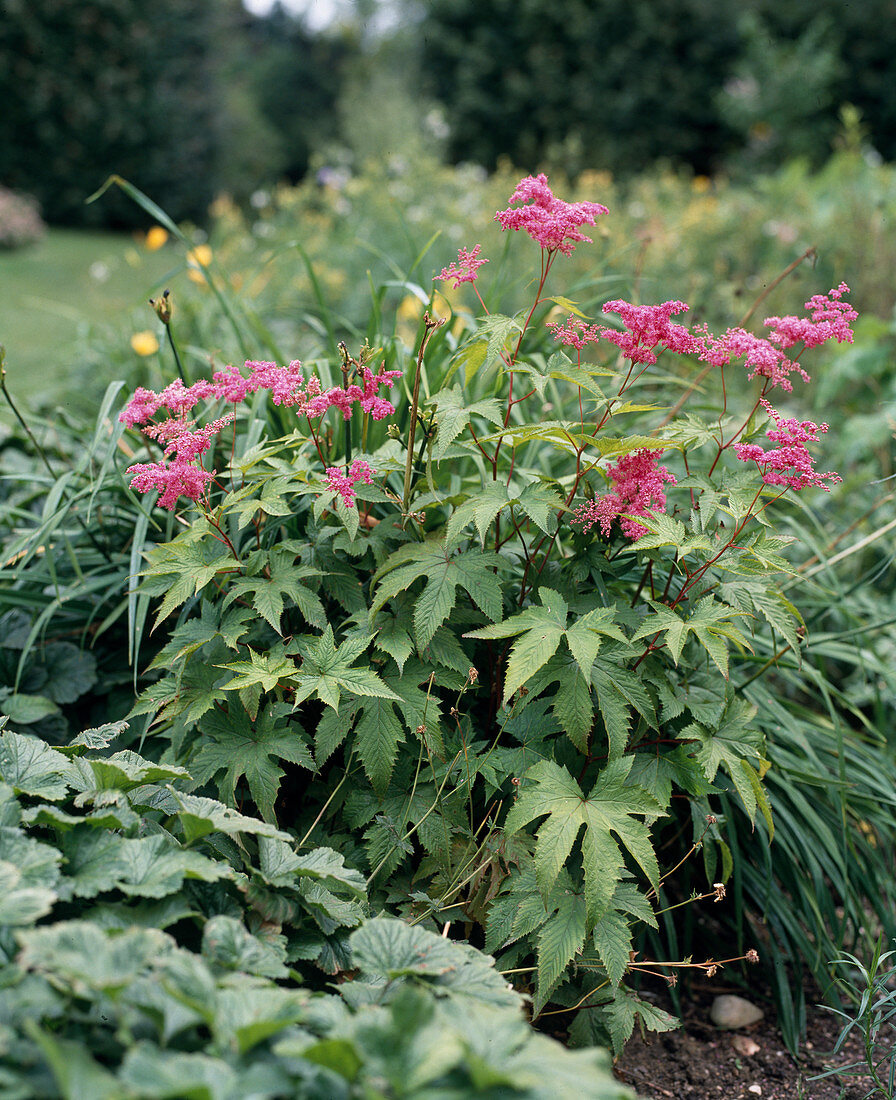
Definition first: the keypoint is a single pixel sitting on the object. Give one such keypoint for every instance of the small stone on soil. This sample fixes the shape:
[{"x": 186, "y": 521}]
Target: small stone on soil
[
  {"x": 744, "y": 1045},
  {"x": 729, "y": 1012}
]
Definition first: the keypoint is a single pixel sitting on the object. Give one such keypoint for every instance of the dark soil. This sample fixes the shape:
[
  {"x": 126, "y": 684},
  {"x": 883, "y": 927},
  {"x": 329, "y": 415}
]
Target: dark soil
[{"x": 699, "y": 1062}]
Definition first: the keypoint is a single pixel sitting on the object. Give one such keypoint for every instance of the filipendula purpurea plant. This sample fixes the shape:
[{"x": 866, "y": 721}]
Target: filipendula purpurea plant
[{"x": 482, "y": 637}]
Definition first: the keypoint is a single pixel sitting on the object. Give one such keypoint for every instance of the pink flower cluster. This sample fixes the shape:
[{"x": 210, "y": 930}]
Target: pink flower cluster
[
  {"x": 549, "y": 221},
  {"x": 761, "y": 358},
  {"x": 790, "y": 464},
  {"x": 638, "y": 481},
  {"x": 831, "y": 319},
  {"x": 344, "y": 484},
  {"x": 179, "y": 479},
  {"x": 465, "y": 269},
  {"x": 575, "y": 332},
  {"x": 184, "y": 444},
  {"x": 649, "y": 327}
]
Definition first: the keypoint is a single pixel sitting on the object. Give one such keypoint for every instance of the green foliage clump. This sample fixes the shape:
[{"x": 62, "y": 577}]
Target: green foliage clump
[
  {"x": 155, "y": 944},
  {"x": 514, "y": 725}
]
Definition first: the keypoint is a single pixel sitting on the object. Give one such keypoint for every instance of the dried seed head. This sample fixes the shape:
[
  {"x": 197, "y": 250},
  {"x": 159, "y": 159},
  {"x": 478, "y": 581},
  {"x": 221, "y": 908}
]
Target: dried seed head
[
  {"x": 712, "y": 970},
  {"x": 752, "y": 955}
]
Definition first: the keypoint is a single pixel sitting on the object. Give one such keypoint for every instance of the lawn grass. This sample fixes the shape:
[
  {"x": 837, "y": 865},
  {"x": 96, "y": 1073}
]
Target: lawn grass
[{"x": 53, "y": 291}]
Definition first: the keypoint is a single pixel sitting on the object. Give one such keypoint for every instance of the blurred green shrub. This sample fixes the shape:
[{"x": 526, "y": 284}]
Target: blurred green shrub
[{"x": 102, "y": 86}]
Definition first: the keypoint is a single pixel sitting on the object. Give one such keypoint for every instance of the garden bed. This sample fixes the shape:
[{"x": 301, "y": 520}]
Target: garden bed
[{"x": 701, "y": 1061}]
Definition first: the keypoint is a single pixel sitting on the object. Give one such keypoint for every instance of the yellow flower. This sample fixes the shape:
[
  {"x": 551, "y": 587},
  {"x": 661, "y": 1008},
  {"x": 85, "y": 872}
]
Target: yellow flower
[
  {"x": 144, "y": 343},
  {"x": 155, "y": 238},
  {"x": 197, "y": 258}
]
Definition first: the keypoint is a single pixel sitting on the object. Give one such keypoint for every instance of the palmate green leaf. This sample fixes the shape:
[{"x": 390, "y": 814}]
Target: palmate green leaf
[
  {"x": 273, "y": 578},
  {"x": 253, "y": 1010},
  {"x": 227, "y": 943},
  {"x": 771, "y": 604},
  {"x": 709, "y": 622},
  {"x": 560, "y": 939},
  {"x": 541, "y": 630},
  {"x": 122, "y": 771},
  {"x": 560, "y": 366},
  {"x": 153, "y": 867},
  {"x": 271, "y": 500},
  {"x": 542, "y": 503},
  {"x": 191, "y": 635},
  {"x": 264, "y": 669},
  {"x": 37, "y": 863},
  {"x": 387, "y": 948},
  {"x": 736, "y": 745},
  {"x": 23, "y": 709},
  {"x": 393, "y": 637},
  {"x": 327, "y": 670},
  {"x": 432, "y": 560},
  {"x": 609, "y": 810},
  {"x": 193, "y": 691},
  {"x": 183, "y": 567},
  {"x": 236, "y": 746},
  {"x": 454, "y": 413},
  {"x": 480, "y": 508},
  {"x": 280, "y": 866},
  {"x": 85, "y": 957},
  {"x": 667, "y": 531},
  {"x": 616, "y": 1011}
]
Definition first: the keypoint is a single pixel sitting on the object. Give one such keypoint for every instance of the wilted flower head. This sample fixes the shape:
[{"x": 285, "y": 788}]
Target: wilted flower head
[{"x": 549, "y": 221}]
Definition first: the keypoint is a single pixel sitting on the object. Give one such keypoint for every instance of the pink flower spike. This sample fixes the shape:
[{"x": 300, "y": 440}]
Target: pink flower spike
[
  {"x": 761, "y": 357},
  {"x": 173, "y": 481},
  {"x": 344, "y": 484},
  {"x": 830, "y": 319},
  {"x": 549, "y": 221},
  {"x": 575, "y": 332},
  {"x": 143, "y": 405},
  {"x": 649, "y": 327},
  {"x": 637, "y": 490},
  {"x": 465, "y": 269},
  {"x": 790, "y": 464}
]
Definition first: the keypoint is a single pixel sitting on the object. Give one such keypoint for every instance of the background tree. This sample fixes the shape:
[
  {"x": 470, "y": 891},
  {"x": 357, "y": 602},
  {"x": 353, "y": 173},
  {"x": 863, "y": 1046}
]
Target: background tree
[
  {"x": 578, "y": 81},
  {"x": 91, "y": 87}
]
